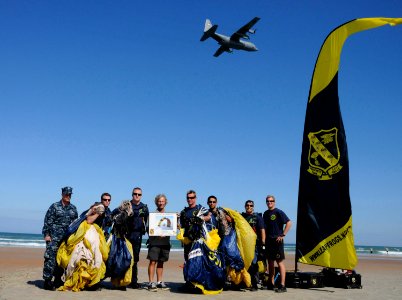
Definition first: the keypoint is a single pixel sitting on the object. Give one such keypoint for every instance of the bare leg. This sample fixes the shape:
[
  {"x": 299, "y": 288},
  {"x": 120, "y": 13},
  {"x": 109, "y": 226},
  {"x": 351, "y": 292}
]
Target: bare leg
[
  {"x": 159, "y": 271},
  {"x": 151, "y": 270},
  {"x": 282, "y": 271}
]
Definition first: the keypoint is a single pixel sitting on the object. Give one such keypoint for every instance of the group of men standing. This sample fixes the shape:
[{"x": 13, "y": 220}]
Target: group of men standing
[
  {"x": 271, "y": 228},
  {"x": 62, "y": 213}
]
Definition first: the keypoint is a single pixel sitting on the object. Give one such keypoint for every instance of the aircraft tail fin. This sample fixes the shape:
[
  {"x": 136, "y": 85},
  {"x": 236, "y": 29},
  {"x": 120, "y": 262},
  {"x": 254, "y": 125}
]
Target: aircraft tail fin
[
  {"x": 209, "y": 30},
  {"x": 207, "y": 25}
]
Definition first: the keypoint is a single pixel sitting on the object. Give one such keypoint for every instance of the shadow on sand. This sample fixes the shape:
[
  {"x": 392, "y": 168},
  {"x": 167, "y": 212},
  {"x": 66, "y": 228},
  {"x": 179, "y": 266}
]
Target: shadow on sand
[{"x": 38, "y": 283}]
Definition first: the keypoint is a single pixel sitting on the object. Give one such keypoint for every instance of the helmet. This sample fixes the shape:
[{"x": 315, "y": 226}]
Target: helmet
[{"x": 67, "y": 190}]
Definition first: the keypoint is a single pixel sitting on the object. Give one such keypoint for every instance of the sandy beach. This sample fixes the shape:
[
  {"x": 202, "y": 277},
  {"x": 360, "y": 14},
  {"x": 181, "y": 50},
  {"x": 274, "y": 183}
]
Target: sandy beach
[{"x": 21, "y": 278}]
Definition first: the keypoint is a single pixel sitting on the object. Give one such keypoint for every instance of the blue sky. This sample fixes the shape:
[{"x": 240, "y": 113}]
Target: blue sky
[{"x": 108, "y": 95}]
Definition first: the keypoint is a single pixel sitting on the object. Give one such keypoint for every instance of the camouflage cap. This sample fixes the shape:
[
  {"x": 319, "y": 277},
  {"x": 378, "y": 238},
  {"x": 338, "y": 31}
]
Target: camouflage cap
[{"x": 67, "y": 190}]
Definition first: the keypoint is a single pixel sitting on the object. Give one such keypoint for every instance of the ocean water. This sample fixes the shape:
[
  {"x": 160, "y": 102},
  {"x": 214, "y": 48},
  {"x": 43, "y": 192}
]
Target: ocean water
[
  {"x": 36, "y": 241},
  {"x": 29, "y": 240}
]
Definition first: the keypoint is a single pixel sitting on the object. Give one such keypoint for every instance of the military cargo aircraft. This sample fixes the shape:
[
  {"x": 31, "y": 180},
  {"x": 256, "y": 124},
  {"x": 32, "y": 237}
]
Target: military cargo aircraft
[{"x": 234, "y": 41}]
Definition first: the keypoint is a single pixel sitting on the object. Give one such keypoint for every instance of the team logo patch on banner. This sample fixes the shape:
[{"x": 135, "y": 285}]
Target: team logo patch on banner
[{"x": 324, "y": 154}]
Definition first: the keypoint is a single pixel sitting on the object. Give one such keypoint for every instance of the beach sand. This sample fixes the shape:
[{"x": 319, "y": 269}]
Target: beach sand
[{"x": 21, "y": 278}]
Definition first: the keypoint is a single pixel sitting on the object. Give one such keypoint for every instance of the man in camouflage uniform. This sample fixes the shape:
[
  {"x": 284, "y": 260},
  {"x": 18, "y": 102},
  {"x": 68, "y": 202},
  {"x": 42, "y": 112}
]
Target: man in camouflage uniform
[{"x": 59, "y": 215}]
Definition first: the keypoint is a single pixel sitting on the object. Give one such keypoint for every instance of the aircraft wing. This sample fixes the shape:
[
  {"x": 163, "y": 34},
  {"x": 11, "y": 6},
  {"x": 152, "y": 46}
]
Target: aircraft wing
[
  {"x": 242, "y": 32},
  {"x": 222, "y": 49}
]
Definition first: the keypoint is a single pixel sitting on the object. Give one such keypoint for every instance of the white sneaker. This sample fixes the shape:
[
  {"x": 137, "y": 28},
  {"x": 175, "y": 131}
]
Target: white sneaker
[
  {"x": 152, "y": 287},
  {"x": 161, "y": 285}
]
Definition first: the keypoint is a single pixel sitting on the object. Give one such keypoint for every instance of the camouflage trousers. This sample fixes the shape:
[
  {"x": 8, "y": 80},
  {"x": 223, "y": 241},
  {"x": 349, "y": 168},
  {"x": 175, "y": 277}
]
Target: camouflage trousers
[{"x": 50, "y": 267}]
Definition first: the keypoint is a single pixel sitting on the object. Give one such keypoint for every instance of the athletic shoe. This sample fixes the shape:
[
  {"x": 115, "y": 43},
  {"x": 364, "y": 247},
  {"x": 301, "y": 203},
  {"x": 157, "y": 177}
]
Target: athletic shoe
[
  {"x": 152, "y": 287},
  {"x": 281, "y": 289},
  {"x": 161, "y": 285}
]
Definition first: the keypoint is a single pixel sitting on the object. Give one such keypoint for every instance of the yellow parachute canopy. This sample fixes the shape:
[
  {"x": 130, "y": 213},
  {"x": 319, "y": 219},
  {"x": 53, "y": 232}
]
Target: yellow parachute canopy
[
  {"x": 84, "y": 274},
  {"x": 205, "y": 291},
  {"x": 180, "y": 236},
  {"x": 212, "y": 239},
  {"x": 246, "y": 240}
]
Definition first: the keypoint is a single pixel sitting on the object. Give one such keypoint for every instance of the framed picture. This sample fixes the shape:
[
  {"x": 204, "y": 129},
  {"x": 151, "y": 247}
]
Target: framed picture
[{"x": 162, "y": 224}]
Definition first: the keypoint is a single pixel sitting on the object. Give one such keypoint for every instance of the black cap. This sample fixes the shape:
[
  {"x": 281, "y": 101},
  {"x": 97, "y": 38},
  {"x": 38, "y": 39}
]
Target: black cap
[{"x": 67, "y": 190}]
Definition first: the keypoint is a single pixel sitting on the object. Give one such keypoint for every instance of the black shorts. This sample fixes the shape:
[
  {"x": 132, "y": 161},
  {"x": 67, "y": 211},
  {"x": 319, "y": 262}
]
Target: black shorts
[
  {"x": 158, "y": 253},
  {"x": 274, "y": 250}
]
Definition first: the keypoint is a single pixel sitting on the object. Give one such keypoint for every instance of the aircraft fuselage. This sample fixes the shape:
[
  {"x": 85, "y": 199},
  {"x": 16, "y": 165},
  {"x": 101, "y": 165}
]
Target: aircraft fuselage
[{"x": 239, "y": 45}]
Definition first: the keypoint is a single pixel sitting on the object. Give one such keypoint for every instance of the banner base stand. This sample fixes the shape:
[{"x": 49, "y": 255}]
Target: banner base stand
[
  {"x": 342, "y": 278},
  {"x": 304, "y": 280}
]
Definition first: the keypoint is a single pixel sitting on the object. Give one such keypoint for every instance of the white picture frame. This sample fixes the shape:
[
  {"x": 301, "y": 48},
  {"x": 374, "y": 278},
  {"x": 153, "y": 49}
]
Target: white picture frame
[{"x": 162, "y": 224}]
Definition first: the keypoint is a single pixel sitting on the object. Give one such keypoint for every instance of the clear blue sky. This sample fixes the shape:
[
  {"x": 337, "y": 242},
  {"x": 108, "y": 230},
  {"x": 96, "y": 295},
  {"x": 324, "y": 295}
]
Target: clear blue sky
[{"x": 108, "y": 95}]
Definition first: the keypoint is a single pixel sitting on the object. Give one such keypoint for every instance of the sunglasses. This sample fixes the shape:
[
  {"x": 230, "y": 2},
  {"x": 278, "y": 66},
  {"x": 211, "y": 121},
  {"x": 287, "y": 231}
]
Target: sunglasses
[
  {"x": 137, "y": 194},
  {"x": 191, "y": 198},
  {"x": 249, "y": 205},
  {"x": 211, "y": 201},
  {"x": 108, "y": 200},
  {"x": 270, "y": 201}
]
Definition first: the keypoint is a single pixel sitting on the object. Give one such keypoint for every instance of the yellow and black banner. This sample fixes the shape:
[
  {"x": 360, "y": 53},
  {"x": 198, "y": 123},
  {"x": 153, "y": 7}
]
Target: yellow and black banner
[{"x": 324, "y": 234}]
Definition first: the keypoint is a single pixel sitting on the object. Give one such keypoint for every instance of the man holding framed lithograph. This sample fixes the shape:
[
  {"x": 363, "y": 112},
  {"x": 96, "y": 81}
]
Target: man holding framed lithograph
[{"x": 162, "y": 225}]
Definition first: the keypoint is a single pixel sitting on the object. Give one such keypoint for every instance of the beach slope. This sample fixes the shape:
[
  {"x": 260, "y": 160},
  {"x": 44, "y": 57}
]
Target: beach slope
[{"x": 21, "y": 278}]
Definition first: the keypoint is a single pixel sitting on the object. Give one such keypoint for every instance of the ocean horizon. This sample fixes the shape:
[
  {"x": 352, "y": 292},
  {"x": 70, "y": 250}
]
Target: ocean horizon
[{"x": 31, "y": 240}]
